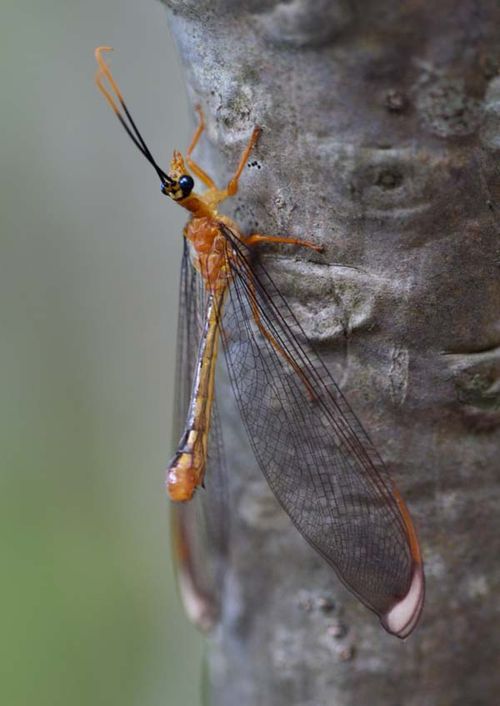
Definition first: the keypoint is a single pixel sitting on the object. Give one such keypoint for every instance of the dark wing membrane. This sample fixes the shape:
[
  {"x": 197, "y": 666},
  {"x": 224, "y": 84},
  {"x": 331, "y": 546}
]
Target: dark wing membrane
[
  {"x": 199, "y": 527},
  {"x": 313, "y": 451}
]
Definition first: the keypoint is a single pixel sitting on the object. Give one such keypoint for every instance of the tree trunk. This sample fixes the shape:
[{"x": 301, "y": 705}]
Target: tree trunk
[{"x": 381, "y": 140}]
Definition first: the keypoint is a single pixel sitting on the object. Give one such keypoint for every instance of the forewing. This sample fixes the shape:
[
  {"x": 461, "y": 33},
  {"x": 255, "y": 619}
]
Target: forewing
[
  {"x": 200, "y": 526},
  {"x": 313, "y": 451}
]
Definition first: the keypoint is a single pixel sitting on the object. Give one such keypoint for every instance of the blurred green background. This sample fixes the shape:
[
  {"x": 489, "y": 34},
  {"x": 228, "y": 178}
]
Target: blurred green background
[{"x": 88, "y": 276}]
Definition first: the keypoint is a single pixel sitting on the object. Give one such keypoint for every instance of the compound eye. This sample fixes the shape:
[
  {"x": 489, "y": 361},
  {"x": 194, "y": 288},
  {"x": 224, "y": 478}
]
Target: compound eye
[{"x": 186, "y": 183}]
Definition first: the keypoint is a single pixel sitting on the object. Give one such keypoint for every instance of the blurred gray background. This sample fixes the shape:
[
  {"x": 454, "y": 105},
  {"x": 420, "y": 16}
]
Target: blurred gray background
[{"x": 89, "y": 272}]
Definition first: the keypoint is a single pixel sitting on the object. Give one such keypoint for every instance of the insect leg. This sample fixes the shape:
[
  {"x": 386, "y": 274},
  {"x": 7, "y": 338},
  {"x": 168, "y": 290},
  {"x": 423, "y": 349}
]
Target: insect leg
[
  {"x": 193, "y": 166},
  {"x": 258, "y": 238},
  {"x": 232, "y": 186},
  {"x": 219, "y": 195}
]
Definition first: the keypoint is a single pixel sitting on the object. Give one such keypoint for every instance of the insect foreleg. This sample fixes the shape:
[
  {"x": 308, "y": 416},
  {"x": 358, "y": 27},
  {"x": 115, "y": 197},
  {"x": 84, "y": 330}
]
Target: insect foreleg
[
  {"x": 193, "y": 166},
  {"x": 232, "y": 186}
]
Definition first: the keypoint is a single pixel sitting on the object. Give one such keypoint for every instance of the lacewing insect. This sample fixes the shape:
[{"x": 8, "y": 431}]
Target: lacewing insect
[{"x": 310, "y": 446}]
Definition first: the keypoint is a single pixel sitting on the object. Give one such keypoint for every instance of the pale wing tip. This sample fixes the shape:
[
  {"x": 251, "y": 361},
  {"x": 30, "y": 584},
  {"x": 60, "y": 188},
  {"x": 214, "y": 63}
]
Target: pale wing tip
[
  {"x": 402, "y": 618},
  {"x": 198, "y": 608}
]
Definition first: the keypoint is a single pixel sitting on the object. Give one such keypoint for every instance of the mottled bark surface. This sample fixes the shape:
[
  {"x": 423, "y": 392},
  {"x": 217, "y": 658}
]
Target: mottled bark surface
[{"x": 381, "y": 140}]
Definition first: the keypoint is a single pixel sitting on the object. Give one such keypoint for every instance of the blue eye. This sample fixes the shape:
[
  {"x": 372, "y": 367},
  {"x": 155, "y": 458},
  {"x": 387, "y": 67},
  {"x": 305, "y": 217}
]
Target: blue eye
[{"x": 186, "y": 183}]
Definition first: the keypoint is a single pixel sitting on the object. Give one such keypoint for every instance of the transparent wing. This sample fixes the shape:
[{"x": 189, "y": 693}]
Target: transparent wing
[
  {"x": 199, "y": 527},
  {"x": 313, "y": 451}
]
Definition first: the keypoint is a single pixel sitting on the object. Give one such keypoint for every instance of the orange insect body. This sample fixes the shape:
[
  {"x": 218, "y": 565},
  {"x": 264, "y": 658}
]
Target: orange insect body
[
  {"x": 377, "y": 555},
  {"x": 210, "y": 255},
  {"x": 209, "y": 248}
]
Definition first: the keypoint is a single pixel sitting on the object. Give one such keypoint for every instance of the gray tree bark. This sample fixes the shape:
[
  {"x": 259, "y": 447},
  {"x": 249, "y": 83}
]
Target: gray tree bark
[{"x": 381, "y": 140}]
